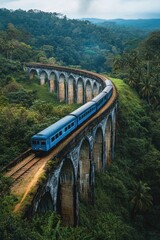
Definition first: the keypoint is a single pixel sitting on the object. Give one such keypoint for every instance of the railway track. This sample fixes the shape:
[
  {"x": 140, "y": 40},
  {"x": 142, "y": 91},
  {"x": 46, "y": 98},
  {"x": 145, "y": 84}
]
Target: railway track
[{"x": 23, "y": 167}]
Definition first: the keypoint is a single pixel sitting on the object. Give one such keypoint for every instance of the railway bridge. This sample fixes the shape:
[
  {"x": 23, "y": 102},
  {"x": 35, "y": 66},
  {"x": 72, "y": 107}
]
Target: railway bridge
[{"x": 59, "y": 180}]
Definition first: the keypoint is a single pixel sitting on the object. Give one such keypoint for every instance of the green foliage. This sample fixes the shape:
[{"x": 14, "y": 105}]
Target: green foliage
[
  {"x": 140, "y": 68},
  {"x": 71, "y": 42},
  {"x": 111, "y": 227},
  {"x": 141, "y": 198}
]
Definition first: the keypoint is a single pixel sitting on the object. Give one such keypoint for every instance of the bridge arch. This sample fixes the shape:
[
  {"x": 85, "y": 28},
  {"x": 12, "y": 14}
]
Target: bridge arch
[
  {"x": 100, "y": 88},
  {"x": 53, "y": 82},
  {"x": 109, "y": 140},
  {"x": 62, "y": 88},
  {"x": 45, "y": 204},
  {"x": 33, "y": 73},
  {"x": 98, "y": 149},
  {"x": 95, "y": 89},
  {"x": 80, "y": 90},
  {"x": 88, "y": 92},
  {"x": 43, "y": 77},
  {"x": 71, "y": 89},
  {"x": 84, "y": 169},
  {"x": 66, "y": 197}
]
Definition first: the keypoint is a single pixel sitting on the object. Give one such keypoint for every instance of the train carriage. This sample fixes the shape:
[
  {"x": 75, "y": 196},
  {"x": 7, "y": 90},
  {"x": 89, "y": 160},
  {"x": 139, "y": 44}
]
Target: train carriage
[
  {"x": 49, "y": 137},
  {"x": 84, "y": 112}
]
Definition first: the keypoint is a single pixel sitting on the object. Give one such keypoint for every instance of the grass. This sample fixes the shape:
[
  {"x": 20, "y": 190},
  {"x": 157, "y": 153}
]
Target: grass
[
  {"x": 42, "y": 91},
  {"x": 127, "y": 97}
]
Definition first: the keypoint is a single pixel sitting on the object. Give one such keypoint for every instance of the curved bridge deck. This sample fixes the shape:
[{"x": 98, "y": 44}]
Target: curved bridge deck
[{"x": 28, "y": 173}]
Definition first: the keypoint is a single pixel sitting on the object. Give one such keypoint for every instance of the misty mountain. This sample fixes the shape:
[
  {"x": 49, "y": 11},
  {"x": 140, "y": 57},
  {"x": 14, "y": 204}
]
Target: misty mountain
[{"x": 145, "y": 24}]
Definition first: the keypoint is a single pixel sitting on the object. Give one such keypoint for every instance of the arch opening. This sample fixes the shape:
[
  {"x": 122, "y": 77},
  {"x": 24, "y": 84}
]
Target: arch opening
[
  {"x": 71, "y": 90},
  {"x": 43, "y": 78},
  {"x": 33, "y": 74},
  {"x": 66, "y": 200},
  {"x": 98, "y": 150},
  {"x": 62, "y": 84},
  {"x": 80, "y": 91},
  {"x": 84, "y": 170},
  {"x": 100, "y": 89},
  {"x": 53, "y": 82},
  {"x": 95, "y": 89},
  {"x": 88, "y": 91},
  {"x": 45, "y": 204},
  {"x": 114, "y": 129},
  {"x": 109, "y": 141}
]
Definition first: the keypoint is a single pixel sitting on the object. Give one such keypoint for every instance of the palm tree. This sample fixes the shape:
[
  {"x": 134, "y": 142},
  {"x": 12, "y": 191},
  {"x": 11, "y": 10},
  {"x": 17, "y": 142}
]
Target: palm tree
[
  {"x": 117, "y": 64},
  {"x": 146, "y": 88},
  {"x": 141, "y": 199}
]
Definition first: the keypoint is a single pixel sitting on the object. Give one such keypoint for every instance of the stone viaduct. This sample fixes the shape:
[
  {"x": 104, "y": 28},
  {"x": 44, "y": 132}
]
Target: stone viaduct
[{"x": 90, "y": 149}]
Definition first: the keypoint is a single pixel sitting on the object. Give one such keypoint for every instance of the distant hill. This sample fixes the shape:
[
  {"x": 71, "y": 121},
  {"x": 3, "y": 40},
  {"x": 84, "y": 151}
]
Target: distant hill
[
  {"x": 145, "y": 24},
  {"x": 70, "y": 42}
]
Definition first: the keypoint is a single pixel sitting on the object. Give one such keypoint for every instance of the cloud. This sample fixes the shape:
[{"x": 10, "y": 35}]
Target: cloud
[
  {"x": 91, "y": 8},
  {"x": 8, "y": 1},
  {"x": 84, "y": 5}
]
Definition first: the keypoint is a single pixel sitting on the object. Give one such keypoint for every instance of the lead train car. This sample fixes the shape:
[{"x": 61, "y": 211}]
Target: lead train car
[{"x": 49, "y": 137}]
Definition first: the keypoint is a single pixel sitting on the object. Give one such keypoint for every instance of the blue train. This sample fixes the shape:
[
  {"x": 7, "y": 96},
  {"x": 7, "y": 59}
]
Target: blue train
[{"x": 51, "y": 136}]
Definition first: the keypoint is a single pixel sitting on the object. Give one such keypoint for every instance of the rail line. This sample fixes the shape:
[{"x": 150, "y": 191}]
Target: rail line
[{"x": 23, "y": 167}]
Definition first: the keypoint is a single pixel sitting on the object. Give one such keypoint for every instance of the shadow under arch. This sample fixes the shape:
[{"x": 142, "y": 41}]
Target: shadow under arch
[
  {"x": 45, "y": 204},
  {"x": 66, "y": 195},
  {"x": 84, "y": 171},
  {"x": 88, "y": 91},
  {"x": 71, "y": 89},
  {"x": 53, "y": 82},
  {"x": 62, "y": 88},
  {"x": 95, "y": 89},
  {"x": 80, "y": 90},
  {"x": 33, "y": 74},
  {"x": 43, "y": 77},
  {"x": 109, "y": 140},
  {"x": 98, "y": 149}
]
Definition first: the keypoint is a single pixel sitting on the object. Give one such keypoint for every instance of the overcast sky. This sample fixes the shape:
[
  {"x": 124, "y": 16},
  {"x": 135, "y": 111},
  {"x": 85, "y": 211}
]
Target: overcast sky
[{"x": 107, "y": 9}]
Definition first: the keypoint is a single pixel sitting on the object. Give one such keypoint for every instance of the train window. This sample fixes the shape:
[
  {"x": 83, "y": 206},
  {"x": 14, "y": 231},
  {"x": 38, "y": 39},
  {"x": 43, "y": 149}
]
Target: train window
[
  {"x": 43, "y": 143},
  {"x": 37, "y": 142},
  {"x": 72, "y": 124},
  {"x": 53, "y": 138},
  {"x": 34, "y": 142},
  {"x": 65, "y": 129},
  {"x": 57, "y": 135},
  {"x": 60, "y": 133},
  {"x": 69, "y": 126}
]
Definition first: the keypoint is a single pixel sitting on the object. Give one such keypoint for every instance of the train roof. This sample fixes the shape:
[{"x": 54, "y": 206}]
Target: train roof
[
  {"x": 99, "y": 97},
  {"x": 107, "y": 89},
  {"x": 80, "y": 110},
  {"x": 108, "y": 82},
  {"x": 54, "y": 128}
]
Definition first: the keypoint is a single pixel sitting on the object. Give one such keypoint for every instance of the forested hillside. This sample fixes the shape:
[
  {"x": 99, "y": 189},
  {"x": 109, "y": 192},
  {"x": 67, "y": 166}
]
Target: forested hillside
[
  {"x": 70, "y": 42},
  {"x": 127, "y": 195}
]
